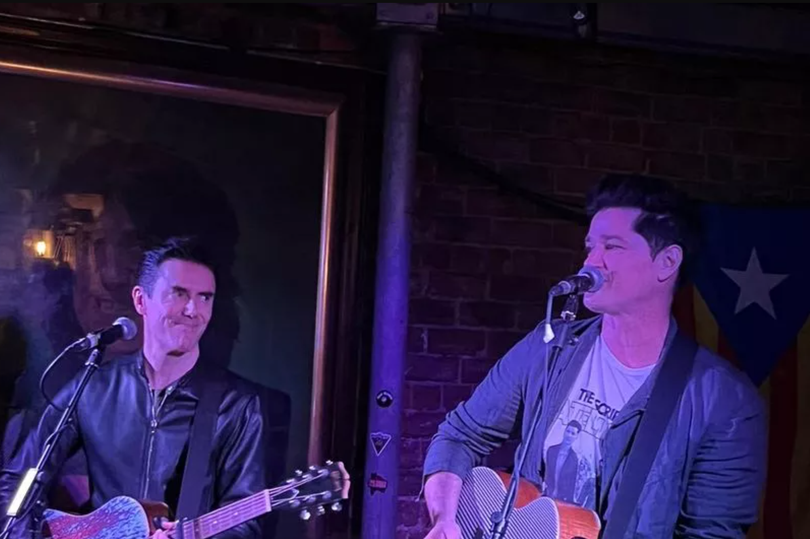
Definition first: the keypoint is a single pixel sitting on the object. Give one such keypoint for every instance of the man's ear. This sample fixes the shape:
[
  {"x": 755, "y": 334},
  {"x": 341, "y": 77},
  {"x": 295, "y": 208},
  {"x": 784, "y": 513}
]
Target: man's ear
[
  {"x": 139, "y": 300},
  {"x": 669, "y": 261}
]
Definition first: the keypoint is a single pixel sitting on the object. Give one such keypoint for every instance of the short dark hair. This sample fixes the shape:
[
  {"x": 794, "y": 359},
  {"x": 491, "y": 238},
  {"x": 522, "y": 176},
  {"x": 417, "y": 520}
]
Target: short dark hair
[
  {"x": 668, "y": 216},
  {"x": 574, "y": 423},
  {"x": 188, "y": 248}
]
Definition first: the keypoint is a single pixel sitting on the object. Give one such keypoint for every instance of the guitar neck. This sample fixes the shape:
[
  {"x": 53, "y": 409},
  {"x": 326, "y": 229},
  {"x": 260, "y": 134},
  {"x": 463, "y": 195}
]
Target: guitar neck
[{"x": 229, "y": 516}]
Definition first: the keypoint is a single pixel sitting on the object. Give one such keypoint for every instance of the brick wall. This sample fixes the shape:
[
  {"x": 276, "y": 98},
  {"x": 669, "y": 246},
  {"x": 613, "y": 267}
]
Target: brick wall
[{"x": 553, "y": 121}]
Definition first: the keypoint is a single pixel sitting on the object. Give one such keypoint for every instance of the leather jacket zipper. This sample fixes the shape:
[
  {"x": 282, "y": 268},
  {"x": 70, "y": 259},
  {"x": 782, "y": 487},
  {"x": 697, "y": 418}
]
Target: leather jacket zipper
[{"x": 153, "y": 424}]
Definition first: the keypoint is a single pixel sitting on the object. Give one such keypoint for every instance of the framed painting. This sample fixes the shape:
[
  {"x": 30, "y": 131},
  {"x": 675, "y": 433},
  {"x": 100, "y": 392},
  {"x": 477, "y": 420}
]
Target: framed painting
[{"x": 101, "y": 158}]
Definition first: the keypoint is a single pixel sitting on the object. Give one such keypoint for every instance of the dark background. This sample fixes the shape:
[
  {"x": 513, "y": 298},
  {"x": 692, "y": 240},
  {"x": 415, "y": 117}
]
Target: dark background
[{"x": 717, "y": 102}]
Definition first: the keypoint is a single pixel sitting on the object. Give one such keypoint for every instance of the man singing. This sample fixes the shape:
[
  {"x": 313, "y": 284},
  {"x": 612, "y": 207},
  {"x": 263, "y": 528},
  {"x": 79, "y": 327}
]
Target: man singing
[
  {"x": 705, "y": 479},
  {"x": 133, "y": 419}
]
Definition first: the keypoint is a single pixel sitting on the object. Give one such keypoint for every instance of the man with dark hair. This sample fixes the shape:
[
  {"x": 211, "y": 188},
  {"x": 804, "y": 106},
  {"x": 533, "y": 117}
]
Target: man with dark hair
[
  {"x": 706, "y": 476},
  {"x": 133, "y": 420}
]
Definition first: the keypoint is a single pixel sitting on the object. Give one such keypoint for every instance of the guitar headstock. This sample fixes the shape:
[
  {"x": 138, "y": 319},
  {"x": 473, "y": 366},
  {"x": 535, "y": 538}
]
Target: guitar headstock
[{"x": 313, "y": 488}]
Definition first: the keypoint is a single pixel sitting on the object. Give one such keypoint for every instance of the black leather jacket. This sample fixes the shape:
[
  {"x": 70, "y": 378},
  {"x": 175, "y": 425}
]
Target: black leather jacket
[{"x": 135, "y": 442}]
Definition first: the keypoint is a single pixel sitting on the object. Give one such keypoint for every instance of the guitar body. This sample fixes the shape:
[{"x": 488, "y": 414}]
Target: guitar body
[
  {"x": 534, "y": 516},
  {"x": 120, "y": 518}
]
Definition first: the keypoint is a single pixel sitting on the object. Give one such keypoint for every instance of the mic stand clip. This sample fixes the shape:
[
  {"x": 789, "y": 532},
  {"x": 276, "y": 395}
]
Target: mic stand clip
[
  {"x": 500, "y": 520},
  {"x": 31, "y": 487}
]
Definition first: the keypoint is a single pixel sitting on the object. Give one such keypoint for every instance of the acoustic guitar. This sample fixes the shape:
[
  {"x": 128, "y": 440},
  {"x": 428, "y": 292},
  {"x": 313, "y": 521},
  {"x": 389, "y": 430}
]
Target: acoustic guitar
[
  {"x": 534, "y": 516},
  {"x": 126, "y": 518}
]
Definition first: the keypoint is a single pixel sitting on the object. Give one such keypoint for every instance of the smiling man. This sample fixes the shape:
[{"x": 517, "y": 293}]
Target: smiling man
[
  {"x": 707, "y": 472},
  {"x": 134, "y": 418}
]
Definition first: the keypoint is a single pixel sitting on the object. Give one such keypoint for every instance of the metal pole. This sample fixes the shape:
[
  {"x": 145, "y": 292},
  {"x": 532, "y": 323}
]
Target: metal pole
[{"x": 380, "y": 482}]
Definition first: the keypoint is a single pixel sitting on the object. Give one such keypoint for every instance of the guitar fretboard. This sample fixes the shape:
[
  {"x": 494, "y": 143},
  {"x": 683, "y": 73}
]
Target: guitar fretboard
[{"x": 229, "y": 516}]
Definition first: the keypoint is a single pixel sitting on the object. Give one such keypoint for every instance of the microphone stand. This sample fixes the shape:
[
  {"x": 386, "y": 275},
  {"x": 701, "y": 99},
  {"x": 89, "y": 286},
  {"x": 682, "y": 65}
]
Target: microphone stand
[
  {"x": 31, "y": 487},
  {"x": 500, "y": 520}
]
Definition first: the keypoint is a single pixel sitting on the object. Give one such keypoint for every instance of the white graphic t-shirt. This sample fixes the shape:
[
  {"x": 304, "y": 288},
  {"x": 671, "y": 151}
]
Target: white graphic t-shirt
[{"x": 571, "y": 450}]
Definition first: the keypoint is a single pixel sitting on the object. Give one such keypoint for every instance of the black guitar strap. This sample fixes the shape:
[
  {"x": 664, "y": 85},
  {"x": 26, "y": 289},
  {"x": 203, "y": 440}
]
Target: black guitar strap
[
  {"x": 196, "y": 474},
  {"x": 667, "y": 389}
]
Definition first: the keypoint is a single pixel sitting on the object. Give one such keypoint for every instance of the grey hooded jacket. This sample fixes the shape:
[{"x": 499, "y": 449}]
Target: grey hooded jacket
[{"x": 707, "y": 477}]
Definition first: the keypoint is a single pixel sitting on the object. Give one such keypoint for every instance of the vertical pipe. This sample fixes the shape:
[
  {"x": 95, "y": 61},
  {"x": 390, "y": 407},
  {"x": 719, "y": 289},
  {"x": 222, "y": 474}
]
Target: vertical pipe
[{"x": 380, "y": 481}]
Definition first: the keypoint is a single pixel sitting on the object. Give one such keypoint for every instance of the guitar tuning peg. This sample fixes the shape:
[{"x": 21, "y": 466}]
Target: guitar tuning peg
[
  {"x": 299, "y": 473},
  {"x": 320, "y": 510},
  {"x": 336, "y": 507},
  {"x": 305, "y": 515},
  {"x": 329, "y": 462},
  {"x": 313, "y": 468}
]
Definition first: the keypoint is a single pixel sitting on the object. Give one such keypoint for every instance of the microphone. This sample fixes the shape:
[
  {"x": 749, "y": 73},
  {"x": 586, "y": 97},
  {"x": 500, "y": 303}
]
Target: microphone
[
  {"x": 122, "y": 328},
  {"x": 589, "y": 279}
]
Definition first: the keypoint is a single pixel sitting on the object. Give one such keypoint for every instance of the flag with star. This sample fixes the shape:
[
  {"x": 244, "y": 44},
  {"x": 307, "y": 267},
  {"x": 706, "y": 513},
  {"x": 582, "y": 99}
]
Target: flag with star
[{"x": 750, "y": 304}]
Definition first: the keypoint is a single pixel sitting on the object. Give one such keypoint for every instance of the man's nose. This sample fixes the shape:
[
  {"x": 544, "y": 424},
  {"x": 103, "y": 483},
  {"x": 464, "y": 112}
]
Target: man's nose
[
  {"x": 595, "y": 257},
  {"x": 190, "y": 308}
]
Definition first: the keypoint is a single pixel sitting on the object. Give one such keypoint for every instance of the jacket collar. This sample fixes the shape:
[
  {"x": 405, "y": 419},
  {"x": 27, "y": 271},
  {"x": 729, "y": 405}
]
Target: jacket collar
[{"x": 191, "y": 384}]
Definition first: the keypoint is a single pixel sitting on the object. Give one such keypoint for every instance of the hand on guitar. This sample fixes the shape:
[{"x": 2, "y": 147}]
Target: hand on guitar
[
  {"x": 444, "y": 529},
  {"x": 167, "y": 531}
]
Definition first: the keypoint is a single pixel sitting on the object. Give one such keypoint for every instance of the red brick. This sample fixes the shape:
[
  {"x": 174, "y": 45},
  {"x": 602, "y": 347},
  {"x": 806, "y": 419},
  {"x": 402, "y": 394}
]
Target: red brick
[
  {"x": 507, "y": 117},
  {"x": 749, "y": 170},
  {"x": 410, "y": 483},
  {"x": 456, "y": 286},
  {"x": 621, "y": 104},
  {"x": 475, "y": 370},
  {"x": 575, "y": 180},
  {"x": 761, "y": 145},
  {"x": 564, "y": 96},
  {"x": 537, "y": 178},
  {"x": 536, "y": 121},
  {"x": 425, "y": 168},
  {"x": 422, "y": 227},
  {"x": 418, "y": 283},
  {"x": 487, "y": 314},
  {"x": 474, "y": 114},
  {"x": 717, "y": 141},
  {"x": 523, "y": 289},
  {"x": 625, "y": 131},
  {"x": 417, "y": 340},
  {"x": 432, "y": 369},
  {"x": 581, "y": 126},
  {"x": 408, "y": 511},
  {"x": 430, "y": 256},
  {"x": 528, "y": 316},
  {"x": 682, "y": 109},
  {"x": 432, "y": 312},
  {"x": 498, "y": 146},
  {"x": 439, "y": 111},
  {"x": 468, "y": 260},
  {"x": 440, "y": 199},
  {"x": 453, "y": 394},
  {"x": 786, "y": 119},
  {"x": 787, "y": 172},
  {"x": 491, "y": 202},
  {"x": 522, "y": 233},
  {"x": 557, "y": 152},
  {"x": 462, "y": 229},
  {"x": 421, "y": 424},
  {"x": 425, "y": 398},
  {"x": 554, "y": 264},
  {"x": 677, "y": 165},
  {"x": 681, "y": 137},
  {"x": 411, "y": 454},
  {"x": 768, "y": 91},
  {"x": 613, "y": 157},
  {"x": 447, "y": 173},
  {"x": 720, "y": 168},
  {"x": 570, "y": 236},
  {"x": 456, "y": 341},
  {"x": 500, "y": 342}
]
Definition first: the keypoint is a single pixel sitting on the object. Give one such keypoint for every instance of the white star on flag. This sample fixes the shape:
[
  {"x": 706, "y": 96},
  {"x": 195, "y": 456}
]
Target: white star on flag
[{"x": 755, "y": 285}]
